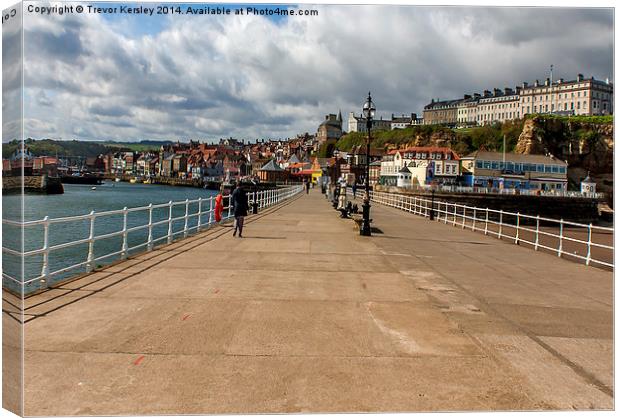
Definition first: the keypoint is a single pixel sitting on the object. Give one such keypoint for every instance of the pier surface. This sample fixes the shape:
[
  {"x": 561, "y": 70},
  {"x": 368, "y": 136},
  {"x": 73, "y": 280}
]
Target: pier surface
[{"x": 304, "y": 315}]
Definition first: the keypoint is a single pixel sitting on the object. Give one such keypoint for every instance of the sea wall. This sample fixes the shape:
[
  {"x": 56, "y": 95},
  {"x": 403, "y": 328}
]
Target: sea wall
[{"x": 32, "y": 184}]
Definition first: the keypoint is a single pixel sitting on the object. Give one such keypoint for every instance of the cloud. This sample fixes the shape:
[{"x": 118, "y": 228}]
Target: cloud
[{"x": 204, "y": 77}]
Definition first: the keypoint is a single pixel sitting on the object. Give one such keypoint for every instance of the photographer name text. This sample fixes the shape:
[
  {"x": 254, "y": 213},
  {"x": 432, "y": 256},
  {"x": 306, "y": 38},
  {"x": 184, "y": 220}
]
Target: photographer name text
[{"x": 168, "y": 10}]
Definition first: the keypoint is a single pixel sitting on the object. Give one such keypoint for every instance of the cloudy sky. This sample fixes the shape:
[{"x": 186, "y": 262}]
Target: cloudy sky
[{"x": 122, "y": 77}]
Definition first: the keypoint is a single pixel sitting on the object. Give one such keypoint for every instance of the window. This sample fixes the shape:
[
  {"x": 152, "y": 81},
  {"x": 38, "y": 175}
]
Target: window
[
  {"x": 495, "y": 165},
  {"x": 518, "y": 167},
  {"x": 487, "y": 165},
  {"x": 572, "y": 105},
  {"x": 478, "y": 164},
  {"x": 562, "y": 170},
  {"x": 555, "y": 169},
  {"x": 578, "y": 105},
  {"x": 547, "y": 168},
  {"x": 540, "y": 168}
]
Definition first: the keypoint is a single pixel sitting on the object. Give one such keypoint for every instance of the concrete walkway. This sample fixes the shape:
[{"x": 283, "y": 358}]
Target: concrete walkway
[{"x": 304, "y": 315}]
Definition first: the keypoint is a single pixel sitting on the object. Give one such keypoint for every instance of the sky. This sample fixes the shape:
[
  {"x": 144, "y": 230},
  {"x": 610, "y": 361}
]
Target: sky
[{"x": 179, "y": 77}]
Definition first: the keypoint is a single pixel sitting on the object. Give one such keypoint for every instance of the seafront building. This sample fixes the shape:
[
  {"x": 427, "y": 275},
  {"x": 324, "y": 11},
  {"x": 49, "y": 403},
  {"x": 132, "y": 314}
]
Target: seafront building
[
  {"x": 514, "y": 171},
  {"x": 425, "y": 164},
  {"x": 575, "y": 97}
]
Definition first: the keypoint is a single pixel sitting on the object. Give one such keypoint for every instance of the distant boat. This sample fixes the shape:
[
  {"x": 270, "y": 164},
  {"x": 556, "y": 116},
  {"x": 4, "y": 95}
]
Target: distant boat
[
  {"x": 147, "y": 181},
  {"x": 93, "y": 188},
  {"x": 117, "y": 179}
]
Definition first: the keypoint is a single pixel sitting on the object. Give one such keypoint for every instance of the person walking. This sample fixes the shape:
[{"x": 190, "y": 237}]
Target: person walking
[
  {"x": 219, "y": 205},
  {"x": 307, "y": 186},
  {"x": 240, "y": 208}
]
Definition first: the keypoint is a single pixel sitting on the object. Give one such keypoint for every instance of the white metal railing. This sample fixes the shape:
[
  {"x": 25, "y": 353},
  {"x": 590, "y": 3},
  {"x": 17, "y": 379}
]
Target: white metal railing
[
  {"x": 205, "y": 208},
  {"x": 588, "y": 243},
  {"x": 510, "y": 191}
]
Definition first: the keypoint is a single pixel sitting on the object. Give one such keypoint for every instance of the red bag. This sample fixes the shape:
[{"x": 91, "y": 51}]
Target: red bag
[{"x": 219, "y": 207}]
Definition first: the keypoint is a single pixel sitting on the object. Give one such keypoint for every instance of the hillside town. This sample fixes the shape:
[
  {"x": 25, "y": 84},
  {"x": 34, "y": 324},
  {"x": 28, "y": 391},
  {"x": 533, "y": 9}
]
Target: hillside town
[{"x": 298, "y": 159}]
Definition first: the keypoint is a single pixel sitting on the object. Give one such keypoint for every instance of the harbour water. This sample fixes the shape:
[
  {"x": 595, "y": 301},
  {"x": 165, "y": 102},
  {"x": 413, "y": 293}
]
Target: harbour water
[{"x": 80, "y": 200}]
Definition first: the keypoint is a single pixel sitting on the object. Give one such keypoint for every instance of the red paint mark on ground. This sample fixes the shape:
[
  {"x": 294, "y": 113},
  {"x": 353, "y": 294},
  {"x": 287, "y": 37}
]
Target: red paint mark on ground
[
  {"x": 217, "y": 291},
  {"x": 138, "y": 361},
  {"x": 185, "y": 317}
]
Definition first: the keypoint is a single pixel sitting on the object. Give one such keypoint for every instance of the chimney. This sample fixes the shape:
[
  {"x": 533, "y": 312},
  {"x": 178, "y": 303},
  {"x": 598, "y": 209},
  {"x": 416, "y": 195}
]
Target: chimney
[
  {"x": 466, "y": 96},
  {"x": 525, "y": 84},
  {"x": 579, "y": 77},
  {"x": 476, "y": 95},
  {"x": 392, "y": 116},
  {"x": 507, "y": 91},
  {"x": 518, "y": 89},
  {"x": 487, "y": 93},
  {"x": 607, "y": 80},
  {"x": 560, "y": 81},
  {"x": 414, "y": 116},
  {"x": 497, "y": 92},
  {"x": 547, "y": 81},
  {"x": 326, "y": 117}
]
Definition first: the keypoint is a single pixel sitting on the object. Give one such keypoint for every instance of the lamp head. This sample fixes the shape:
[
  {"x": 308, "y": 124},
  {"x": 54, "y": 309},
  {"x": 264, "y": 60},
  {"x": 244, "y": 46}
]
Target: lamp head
[{"x": 369, "y": 108}]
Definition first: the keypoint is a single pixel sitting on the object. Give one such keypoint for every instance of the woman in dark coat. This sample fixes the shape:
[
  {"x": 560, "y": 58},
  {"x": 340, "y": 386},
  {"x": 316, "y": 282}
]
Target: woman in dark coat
[{"x": 240, "y": 207}]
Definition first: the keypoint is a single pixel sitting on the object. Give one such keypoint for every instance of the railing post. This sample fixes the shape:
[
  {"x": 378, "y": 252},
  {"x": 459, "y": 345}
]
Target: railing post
[
  {"x": 45, "y": 270},
  {"x": 486, "y": 222},
  {"x": 464, "y": 215},
  {"x": 589, "y": 254},
  {"x": 199, "y": 214},
  {"x": 186, "y": 218},
  {"x": 229, "y": 204},
  {"x": 537, "y": 232},
  {"x": 91, "y": 242},
  {"x": 517, "y": 234},
  {"x": 124, "y": 249},
  {"x": 149, "y": 245},
  {"x": 561, "y": 237},
  {"x": 454, "y": 219},
  {"x": 473, "y": 222},
  {"x": 169, "y": 221},
  {"x": 210, "y": 210},
  {"x": 445, "y": 215},
  {"x": 501, "y": 218}
]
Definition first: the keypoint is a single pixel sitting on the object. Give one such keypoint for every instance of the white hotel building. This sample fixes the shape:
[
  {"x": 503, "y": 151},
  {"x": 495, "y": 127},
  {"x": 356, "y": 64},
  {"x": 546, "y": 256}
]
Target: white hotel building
[{"x": 576, "y": 97}]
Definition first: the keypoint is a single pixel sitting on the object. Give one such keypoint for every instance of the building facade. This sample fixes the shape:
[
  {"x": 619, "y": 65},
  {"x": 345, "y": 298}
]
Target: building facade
[
  {"x": 330, "y": 128},
  {"x": 441, "y": 112},
  {"x": 577, "y": 97},
  {"x": 358, "y": 124},
  {"x": 426, "y": 164},
  {"x": 514, "y": 171}
]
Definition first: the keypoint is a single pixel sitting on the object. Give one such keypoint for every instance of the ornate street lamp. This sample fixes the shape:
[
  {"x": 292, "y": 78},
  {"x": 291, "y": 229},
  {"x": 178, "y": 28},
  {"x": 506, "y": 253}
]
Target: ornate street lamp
[{"x": 369, "y": 112}]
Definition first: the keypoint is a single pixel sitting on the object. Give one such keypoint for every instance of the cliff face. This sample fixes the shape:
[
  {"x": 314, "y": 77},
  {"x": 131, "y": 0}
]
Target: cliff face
[{"x": 587, "y": 147}]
